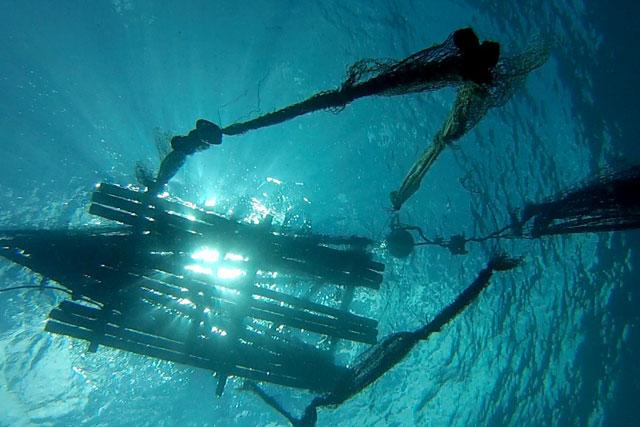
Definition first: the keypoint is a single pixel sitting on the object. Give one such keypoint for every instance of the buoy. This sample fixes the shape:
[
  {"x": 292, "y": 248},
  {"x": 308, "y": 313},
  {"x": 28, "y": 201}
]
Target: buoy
[{"x": 400, "y": 243}]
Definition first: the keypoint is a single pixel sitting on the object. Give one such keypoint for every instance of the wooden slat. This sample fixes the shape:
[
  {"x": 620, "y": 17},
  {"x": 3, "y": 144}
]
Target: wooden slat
[
  {"x": 343, "y": 316},
  {"x": 347, "y": 267},
  {"x": 110, "y": 329},
  {"x": 121, "y": 192},
  {"x": 186, "y": 359},
  {"x": 248, "y": 357},
  {"x": 345, "y": 319},
  {"x": 116, "y": 202},
  {"x": 113, "y": 214},
  {"x": 313, "y": 322},
  {"x": 293, "y": 253},
  {"x": 282, "y": 315},
  {"x": 250, "y": 361},
  {"x": 88, "y": 317}
]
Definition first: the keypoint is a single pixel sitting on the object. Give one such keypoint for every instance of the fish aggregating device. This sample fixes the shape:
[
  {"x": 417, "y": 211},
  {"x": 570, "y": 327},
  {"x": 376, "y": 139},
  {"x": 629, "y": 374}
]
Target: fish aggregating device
[
  {"x": 175, "y": 282},
  {"x": 181, "y": 284}
]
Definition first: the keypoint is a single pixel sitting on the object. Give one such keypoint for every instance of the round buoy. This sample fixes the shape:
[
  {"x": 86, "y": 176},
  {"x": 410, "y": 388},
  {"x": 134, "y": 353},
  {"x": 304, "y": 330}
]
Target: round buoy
[{"x": 400, "y": 243}]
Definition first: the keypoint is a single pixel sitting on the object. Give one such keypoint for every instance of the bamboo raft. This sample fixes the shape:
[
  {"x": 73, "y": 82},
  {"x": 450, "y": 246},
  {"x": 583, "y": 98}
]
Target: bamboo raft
[{"x": 181, "y": 284}]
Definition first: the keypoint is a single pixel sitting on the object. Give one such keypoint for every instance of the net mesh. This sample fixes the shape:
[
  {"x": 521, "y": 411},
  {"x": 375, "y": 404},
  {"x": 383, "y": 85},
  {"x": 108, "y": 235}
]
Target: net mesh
[
  {"x": 459, "y": 58},
  {"x": 472, "y": 103},
  {"x": 609, "y": 203},
  {"x": 428, "y": 69}
]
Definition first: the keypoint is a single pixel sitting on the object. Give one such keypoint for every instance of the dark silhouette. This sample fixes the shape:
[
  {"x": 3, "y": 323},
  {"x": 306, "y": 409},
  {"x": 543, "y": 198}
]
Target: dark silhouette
[
  {"x": 204, "y": 135},
  {"x": 390, "y": 351},
  {"x": 609, "y": 203},
  {"x": 472, "y": 103},
  {"x": 458, "y": 59}
]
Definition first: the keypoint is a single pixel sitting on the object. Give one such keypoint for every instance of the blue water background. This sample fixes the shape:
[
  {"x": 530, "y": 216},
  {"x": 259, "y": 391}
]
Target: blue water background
[{"x": 86, "y": 87}]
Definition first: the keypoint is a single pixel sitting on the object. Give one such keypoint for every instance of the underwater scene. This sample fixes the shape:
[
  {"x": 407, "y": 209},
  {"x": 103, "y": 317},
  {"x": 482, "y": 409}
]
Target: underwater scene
[{"x": 331, "y": 213}]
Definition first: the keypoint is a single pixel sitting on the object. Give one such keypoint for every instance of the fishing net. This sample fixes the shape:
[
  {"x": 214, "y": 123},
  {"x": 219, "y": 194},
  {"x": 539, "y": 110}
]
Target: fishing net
[
  {"x": 472, "y": 103},
  {"x": 460, "y": 58},
  {"x": 610, "y": 203}
]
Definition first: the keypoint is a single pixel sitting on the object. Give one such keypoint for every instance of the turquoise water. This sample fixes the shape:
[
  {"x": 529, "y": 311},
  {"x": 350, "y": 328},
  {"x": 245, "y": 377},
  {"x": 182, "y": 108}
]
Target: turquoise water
[{"x": 87, "y": 88}]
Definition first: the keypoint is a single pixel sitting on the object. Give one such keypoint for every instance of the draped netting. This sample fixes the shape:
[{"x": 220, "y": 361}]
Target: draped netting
[
  {"x": 609, "y": 203},
  {"x": 472, "y": 103},
  {"x": 460, "y": 58}
]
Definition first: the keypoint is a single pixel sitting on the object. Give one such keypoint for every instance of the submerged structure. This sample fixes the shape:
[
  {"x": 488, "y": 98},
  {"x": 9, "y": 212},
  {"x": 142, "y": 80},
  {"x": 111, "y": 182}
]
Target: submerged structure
[
  {"x": 181, "y": 284},
  {"x": 177, "y": 283}
]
